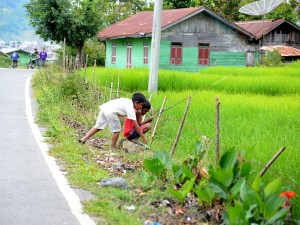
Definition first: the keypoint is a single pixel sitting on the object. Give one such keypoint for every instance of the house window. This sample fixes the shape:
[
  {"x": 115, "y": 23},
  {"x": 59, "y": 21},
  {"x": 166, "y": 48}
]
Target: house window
[
  {"x": 129, "y": 55},
  {"x": 203, "y": 54},
  {"x": 113, "y": 53},
  {"x": 146, "y": 48},
  {"x": 176, "y": 54}
]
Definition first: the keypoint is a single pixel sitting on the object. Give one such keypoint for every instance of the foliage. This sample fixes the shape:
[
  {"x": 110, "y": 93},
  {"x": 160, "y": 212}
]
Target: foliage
[
  {"x": 272, "y": 59},
  {"x": 263, "y": 80},
  {"x": 229, "y": 182},
  {"x": 230, "y": 9},
  {"x": 5, "y": 62},
  {"x": 158, "y": 164},
  {"x": 74, "y": 21},
  {"x": 114, "y": 11},
  {"x": 95, "y": 51}
]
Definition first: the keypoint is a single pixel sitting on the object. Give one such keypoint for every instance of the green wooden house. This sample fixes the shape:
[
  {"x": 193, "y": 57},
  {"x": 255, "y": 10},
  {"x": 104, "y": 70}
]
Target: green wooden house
[
  {"x": 191, "y": 38},
  {"x": 23, "y": 54}
]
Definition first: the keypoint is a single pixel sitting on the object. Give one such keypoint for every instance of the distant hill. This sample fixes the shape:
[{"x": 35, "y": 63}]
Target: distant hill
[{"x": 14, "y": 24}]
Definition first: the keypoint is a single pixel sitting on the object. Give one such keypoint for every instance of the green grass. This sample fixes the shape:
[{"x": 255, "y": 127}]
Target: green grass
[{"x": 259, "y": 113}]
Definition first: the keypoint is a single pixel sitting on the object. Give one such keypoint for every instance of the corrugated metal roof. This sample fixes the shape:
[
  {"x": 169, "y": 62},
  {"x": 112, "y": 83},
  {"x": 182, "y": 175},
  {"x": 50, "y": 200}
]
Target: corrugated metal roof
[
  {"x": 256, "y": 27},
  {"x": 140, "y": 24},
  {"x": 283, "y": 50}
]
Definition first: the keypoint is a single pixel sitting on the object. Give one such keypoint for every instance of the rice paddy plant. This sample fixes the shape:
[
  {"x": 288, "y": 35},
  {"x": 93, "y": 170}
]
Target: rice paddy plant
[
  {"x": 259, "y": 112},
  {"x": 259, "y": 80}
]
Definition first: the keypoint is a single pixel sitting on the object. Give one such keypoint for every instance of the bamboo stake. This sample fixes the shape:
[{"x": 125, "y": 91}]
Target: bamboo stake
[
  {"x": 271, "y": 161},
  {"x": 118, "y": 87},
  {"x": 217, "y": 129},
  {"x": 111, "y": 90},
  {"x": 181, "y": 126},
  {"x": 86, "y": 62},
  {"x": 63, "y": 58},
  {"x": 158, "y": 118},
  {"x": 66, "y": 63},
  {"x": 94, "y": 72},
  {"x": 70, "y": 63},
  {"x": 105, "y": 92}
]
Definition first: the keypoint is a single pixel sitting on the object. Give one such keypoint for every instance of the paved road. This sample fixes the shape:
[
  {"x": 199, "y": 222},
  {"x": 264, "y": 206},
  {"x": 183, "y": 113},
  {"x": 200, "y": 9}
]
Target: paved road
[{"x": 29, "y": 194}]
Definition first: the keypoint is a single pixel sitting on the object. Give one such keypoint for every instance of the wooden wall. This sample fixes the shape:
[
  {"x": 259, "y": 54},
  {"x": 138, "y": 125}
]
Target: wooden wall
[
  {"x": 285, "y": 34},
  {"x": 227, "y": 46}
]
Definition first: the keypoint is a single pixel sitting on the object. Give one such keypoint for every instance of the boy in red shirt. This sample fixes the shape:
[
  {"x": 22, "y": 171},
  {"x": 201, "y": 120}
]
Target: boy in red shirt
[
  {"x": 109, "y": 115},
  {"x": 129, "y": 130}
]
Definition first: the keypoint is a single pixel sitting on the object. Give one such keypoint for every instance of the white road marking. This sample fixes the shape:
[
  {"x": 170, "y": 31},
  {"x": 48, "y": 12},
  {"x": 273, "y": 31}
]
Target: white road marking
[{"x": 71, "y": 197}]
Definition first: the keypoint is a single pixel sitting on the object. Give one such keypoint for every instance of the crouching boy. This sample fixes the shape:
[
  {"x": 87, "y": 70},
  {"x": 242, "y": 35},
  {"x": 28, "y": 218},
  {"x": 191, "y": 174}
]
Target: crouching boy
[
  {"x": 130, "y": 131},
  {"x": 109, "y": 113}
]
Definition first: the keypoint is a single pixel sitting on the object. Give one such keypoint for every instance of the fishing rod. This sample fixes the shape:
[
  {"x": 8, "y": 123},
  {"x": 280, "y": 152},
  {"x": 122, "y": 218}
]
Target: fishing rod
[{"x": 209, "y": 86}]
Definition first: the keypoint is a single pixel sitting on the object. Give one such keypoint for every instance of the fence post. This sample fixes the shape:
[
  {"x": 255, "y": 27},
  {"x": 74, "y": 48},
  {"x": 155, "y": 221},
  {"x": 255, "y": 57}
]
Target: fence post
[
  {"x": 86, "y": 62},
  {"x": 118, "y": 87},
  {"x": 111, "y": 90},
  {"x": 94, "y": 72},
  {"x": 181, "y": 125},
  {"x": 158, "y": 118},
  {"x": 105, "y": 92},
  {"x": 217, "y": 129},
  {"x": 63, "y": 58}
]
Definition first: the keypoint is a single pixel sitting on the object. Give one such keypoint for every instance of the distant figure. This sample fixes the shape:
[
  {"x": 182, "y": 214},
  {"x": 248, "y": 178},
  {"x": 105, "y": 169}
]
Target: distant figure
[
  {"x": 34, "y": 59},
  {"x": 14, "y": 56},
  {"x": 43, "y": 56}
]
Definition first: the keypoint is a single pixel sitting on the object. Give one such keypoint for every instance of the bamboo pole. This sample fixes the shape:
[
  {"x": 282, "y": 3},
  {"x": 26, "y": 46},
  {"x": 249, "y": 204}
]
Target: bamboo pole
[
  {"x": 105, "y": 92},
  {"x": 158, "y": 118},
  {"x": 111, "y": 90},
  {"x": 94, "y": 72},
  {"x": 272, "y": 161},
  {"x": 86, "y": 62},
  {"x": 63, "y": 58},
  {"x": 217, "y": 129},
  {"x": 66, "y": 63},
  {"x": 118, "y": 87},
  {"x": 70, "y": 63},
  {"x": 181, "y": 126}
]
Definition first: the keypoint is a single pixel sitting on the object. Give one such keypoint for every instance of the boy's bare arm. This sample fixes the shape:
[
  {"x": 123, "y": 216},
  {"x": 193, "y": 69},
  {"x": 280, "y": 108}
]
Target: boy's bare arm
[
  {"x": 148, "y": 120},
  {"x": 139, "y": 118},
  {"x": 140, "y": 132}
]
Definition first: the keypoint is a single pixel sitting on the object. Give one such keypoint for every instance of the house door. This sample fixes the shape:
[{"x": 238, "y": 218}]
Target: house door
[
  {"x": 250, "y": 58},
  {"x": 129, "y": 55}
]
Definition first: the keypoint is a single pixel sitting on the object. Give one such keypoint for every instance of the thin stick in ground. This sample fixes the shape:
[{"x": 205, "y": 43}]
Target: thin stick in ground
[
  {"x": 272, "y": 161},
  {"x": 158, "y": 118},
  {"x": 181, "y": 125},
  {"x": 217, "y": 130}
]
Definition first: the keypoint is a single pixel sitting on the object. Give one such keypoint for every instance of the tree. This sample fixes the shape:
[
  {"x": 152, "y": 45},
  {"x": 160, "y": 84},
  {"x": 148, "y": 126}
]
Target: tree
[
  {"x": 73, "y": 20},
  {"x": 116, "y": 10}
]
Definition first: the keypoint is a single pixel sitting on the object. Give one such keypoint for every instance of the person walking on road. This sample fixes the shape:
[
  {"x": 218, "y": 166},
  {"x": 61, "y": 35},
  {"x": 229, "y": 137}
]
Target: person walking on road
[{"x": 43, "y": 56}]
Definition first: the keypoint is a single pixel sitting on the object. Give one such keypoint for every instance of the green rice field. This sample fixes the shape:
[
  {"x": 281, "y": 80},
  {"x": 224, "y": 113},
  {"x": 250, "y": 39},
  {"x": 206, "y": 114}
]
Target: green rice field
[{"x": 259, "y": 112}]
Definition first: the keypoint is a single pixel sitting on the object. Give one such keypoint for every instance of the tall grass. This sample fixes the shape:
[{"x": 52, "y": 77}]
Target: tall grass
[
  {"x": 259, "y": 111},
  {"x": 260, "y": 80}
]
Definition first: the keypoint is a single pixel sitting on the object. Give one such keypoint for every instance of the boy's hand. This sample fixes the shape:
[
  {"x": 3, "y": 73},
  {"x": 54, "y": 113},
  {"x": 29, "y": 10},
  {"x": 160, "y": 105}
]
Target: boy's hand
[
  {"x": 150, "y": 118},
  {"x": 144, "y": 140}
]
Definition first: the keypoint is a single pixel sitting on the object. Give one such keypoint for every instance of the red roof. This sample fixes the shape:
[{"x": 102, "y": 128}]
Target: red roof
[
  {"x": 141, "y": 23},
  {"x": 256, "y": 27},
  {"x": 283, "y": 50}
]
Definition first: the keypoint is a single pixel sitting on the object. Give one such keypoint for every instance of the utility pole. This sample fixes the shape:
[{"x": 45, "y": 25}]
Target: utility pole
[{"x": 155, "y": 46}]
